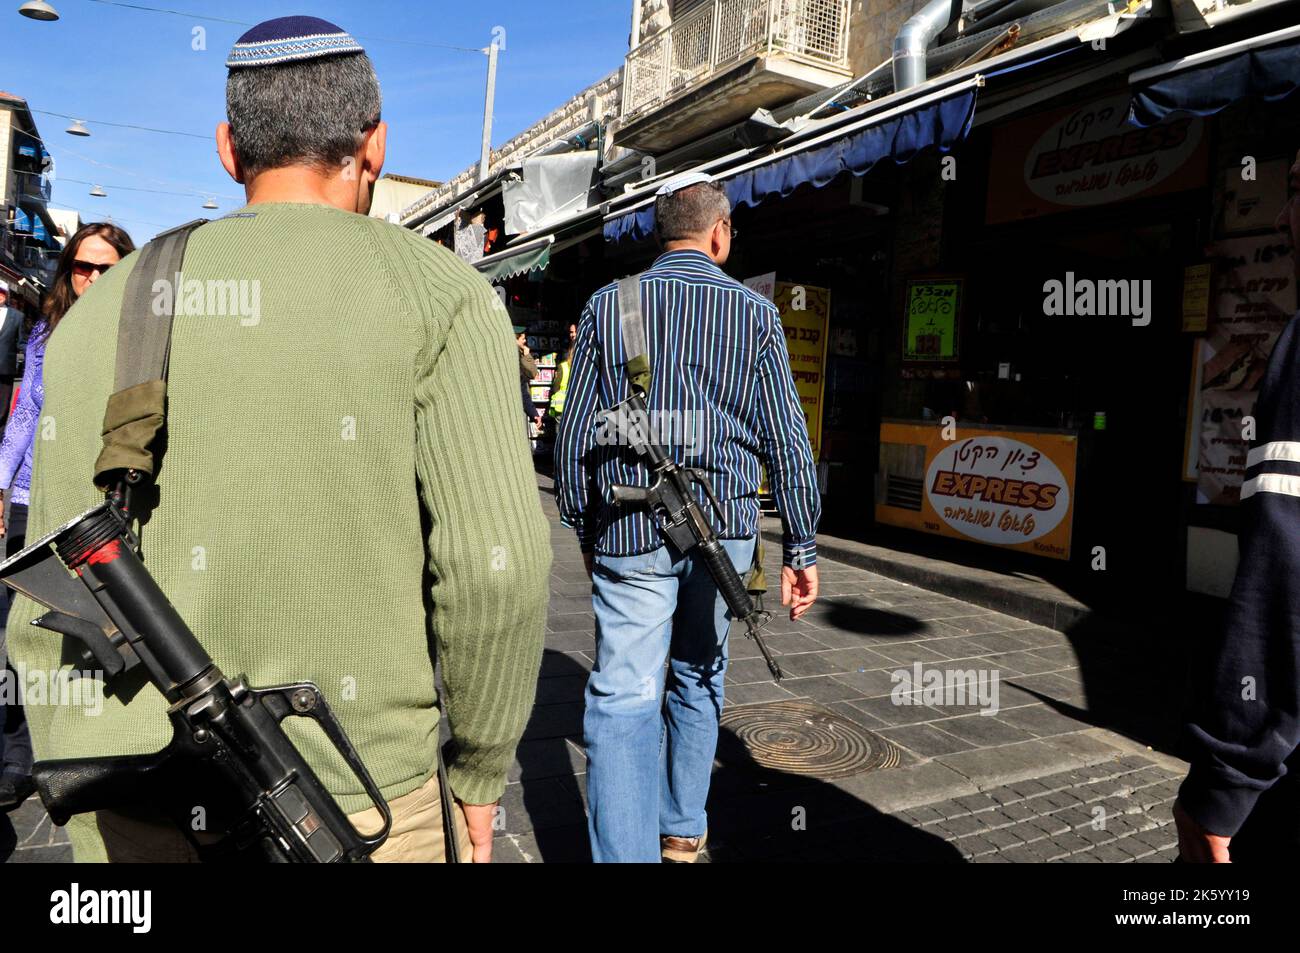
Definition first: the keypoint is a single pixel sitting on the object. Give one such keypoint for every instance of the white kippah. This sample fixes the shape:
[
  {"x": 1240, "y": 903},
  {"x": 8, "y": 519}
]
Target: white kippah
[{"x": 684, "y": 181}]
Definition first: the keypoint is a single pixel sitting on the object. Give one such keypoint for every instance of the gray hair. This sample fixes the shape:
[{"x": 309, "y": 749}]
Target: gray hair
[
  {"x": 312, "y": 112},
  {"x": 691, "y": 212}
]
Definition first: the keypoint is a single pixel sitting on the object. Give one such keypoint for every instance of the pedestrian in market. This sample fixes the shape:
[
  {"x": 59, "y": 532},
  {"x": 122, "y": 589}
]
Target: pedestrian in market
[
  {"x": 559, "y": 392},
  {"x": 527, "y": 374},
  {"x": 11, "y": 328},
  {"x": 361, "y": 496},
  {"x": 717, "y": 353},
  {"x": 1241, "y": 799},
  {"x": 92, "y": 250}
]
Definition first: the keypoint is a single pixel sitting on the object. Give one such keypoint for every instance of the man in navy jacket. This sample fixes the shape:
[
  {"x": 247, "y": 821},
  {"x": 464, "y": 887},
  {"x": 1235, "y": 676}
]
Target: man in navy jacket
[{"x": 1239, "y": 801}]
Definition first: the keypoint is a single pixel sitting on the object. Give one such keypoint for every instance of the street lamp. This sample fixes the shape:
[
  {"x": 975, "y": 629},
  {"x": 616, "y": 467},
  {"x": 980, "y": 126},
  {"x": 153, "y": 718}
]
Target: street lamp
[
  {"x": 38, "y": 10},
  {"x": 211, "y": 203},
  {"x": 78, "y": 128},
  {"x": 98, "y": 192}
]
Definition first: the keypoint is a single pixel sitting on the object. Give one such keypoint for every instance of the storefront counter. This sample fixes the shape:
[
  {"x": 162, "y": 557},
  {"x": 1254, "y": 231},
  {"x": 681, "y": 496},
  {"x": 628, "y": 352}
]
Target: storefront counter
[{"x": 1011, "y": 487}]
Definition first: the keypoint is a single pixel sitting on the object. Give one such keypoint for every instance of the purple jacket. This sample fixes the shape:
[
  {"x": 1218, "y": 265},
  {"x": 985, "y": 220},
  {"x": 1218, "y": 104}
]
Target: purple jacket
[{"x": 20, "y": 431}]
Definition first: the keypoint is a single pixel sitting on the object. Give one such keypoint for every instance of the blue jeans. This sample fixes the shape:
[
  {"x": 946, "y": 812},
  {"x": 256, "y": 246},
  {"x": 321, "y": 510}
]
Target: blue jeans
[{"x": 650, "y": 755}]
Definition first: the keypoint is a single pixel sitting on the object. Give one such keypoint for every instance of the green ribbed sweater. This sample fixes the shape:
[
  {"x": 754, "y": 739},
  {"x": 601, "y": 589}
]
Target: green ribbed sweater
[{"x": 378, "y": 370}]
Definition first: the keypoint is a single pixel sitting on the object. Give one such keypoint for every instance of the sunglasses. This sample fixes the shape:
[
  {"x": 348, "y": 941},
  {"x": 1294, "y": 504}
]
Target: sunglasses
[{"x": 84, "y": 269}]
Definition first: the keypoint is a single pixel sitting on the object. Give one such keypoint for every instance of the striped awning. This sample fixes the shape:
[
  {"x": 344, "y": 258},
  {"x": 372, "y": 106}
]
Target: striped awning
[{"x": 508, "y": 264}]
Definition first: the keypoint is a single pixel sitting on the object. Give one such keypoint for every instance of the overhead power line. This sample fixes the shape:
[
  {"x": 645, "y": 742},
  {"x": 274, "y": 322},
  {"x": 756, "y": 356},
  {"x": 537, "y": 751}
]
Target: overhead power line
[
  {"x": 123, "y": 125},
  {"x": 137, "y": 175},
  {"x": 133, "y": 188}
]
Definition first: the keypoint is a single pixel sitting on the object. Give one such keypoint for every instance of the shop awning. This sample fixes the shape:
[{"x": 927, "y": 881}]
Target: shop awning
[
  {"x": 22, "y": 222},
  {"x": 535, "y": 256},
  {"x": 898, "y": 135},
  {"x": 1265, "y": 67},
  {"x": 550, "y": 188}
]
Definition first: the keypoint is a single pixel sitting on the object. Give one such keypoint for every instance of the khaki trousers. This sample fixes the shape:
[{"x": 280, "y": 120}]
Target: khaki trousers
[{"x": 416, "y": 836}]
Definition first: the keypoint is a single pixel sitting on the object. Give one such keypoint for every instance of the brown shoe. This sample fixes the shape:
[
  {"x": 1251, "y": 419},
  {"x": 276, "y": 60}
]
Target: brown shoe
[{"x": 682, "y": 850}]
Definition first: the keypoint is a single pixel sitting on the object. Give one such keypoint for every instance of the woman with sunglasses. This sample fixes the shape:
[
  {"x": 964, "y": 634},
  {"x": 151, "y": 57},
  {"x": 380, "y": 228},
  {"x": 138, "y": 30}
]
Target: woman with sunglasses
[{"x": 88, "y": 254}]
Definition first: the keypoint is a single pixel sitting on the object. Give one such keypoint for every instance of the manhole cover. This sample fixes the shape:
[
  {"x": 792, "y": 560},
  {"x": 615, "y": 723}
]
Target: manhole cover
[{"x": 803, "y": 738}]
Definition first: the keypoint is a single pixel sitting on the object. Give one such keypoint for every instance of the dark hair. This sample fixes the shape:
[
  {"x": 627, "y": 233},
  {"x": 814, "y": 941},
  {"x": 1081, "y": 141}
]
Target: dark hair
[
  {"x": 691, "y": 211},
  {"x": 312, "y": 112},
  {"x": 61, "y": 297}
]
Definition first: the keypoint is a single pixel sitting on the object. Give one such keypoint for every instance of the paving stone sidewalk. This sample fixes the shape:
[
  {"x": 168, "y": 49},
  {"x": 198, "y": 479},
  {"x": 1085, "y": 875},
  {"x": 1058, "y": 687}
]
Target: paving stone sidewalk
[
  {"x": 1113, "y": 812},
  {"x": 1044, "y": 779}
]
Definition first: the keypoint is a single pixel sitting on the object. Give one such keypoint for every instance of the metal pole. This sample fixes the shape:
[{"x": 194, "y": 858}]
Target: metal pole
[
  {"x": 715, "y": 29},
  {"x": 635, "y": 39},
  {"x": 485, "y": 156}
]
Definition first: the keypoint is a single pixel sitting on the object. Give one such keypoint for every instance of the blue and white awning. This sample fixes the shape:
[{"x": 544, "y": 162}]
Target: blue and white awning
[{"x": 896, "y": 135}]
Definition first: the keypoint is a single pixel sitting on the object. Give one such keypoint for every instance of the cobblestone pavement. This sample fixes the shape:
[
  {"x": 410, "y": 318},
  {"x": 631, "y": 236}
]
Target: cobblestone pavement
[
  {"x": 1114, "y": 812},
  {"x": 27, "y": 836},
  {"x": 1043, "y": 779}
]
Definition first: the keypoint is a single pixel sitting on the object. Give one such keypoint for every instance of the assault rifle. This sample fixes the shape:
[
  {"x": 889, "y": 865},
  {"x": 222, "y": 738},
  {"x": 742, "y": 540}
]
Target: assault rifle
[
  {"x": 229, "y": 752},
  {"x": 679, "y": 515}
]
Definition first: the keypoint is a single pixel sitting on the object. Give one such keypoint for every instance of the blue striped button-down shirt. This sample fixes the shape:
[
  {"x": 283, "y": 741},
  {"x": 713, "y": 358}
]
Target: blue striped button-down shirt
[{"x": 722, "y": 400}]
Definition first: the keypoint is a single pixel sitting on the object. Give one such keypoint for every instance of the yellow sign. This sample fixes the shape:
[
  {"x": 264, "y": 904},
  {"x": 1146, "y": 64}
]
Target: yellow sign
[
  {"x": 1000, "y": 487},
  {"x": 805, "y": 315},
  {"x": 1196, "y": 297}
]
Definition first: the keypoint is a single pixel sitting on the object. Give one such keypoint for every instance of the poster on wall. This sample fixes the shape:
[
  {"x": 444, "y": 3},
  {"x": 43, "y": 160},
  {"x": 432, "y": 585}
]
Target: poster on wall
[
  {"x": 805, "y": 316},
  {"x": 1001, "y": 487},
  {"x": 1250, "y": 202},
  {"x": 763, "y": 284},
  {"x": 1087, "y": 155},
  {"x": 933, "y": 319},
  {"x": 1252, "y": 298}
]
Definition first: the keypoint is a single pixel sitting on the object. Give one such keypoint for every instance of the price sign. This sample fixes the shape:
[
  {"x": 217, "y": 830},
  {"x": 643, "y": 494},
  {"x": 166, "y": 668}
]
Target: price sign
[{"x": 933, "y": 313}]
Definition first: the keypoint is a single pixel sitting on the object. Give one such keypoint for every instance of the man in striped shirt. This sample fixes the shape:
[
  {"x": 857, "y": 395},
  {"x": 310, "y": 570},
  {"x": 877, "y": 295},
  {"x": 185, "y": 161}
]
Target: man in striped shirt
[
  {"x": 1240, "y": 802},
  {"x": 722, "y": 400}
]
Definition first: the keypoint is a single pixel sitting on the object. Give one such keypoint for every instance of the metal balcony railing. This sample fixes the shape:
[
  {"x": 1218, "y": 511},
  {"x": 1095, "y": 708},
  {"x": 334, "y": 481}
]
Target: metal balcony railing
[{"x": 721, "y": 34}]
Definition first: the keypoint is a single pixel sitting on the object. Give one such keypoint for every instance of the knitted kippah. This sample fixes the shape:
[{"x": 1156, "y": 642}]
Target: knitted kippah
[{"x": 289, "y": 39}]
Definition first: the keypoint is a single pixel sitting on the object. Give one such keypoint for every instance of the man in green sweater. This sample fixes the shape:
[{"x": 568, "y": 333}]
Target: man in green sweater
[{"x": 330, "y": 373}]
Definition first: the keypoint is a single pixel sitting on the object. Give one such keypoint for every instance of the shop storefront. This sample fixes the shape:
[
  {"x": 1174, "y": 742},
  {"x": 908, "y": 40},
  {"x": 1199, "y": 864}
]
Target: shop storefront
[
  {"x": 1101, "y": 301},
  {"x": 545, "y": 286}
]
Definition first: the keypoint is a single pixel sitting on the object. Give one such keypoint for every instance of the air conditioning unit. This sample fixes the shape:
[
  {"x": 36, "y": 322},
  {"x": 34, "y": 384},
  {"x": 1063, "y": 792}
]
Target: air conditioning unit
[{"x": 902, "y": 471}]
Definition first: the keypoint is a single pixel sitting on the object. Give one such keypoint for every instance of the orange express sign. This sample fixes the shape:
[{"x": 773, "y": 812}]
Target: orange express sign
[{"x": 1000, "y": 487}]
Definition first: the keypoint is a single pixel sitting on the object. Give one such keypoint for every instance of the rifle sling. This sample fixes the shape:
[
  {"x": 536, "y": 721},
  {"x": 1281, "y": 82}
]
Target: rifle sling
[{"x": 137, "y": 409}]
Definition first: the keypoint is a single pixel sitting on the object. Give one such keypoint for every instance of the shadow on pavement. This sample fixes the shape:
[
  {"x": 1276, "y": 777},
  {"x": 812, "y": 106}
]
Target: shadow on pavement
[
  {"x": 552, "y": 790},
  {"x": 8, "y": 838},
  {"x": 758, "y": 814},
  {"x": 1137, "y": 678},
  {"x": 755, "y": 813},
  {"x": 855, "y": 618}
]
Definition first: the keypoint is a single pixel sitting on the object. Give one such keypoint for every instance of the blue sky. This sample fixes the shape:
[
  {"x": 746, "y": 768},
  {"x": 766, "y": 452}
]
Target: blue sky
[{"x": 107, "y": 62}]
